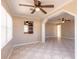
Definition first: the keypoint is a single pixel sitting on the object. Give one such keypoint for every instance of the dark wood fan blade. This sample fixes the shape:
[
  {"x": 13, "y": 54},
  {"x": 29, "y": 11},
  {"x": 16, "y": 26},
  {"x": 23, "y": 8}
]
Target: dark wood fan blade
[
  {"x": 33, "y": 11},
  {"x": 47, "y": 6},
  {"x": 26, "y": 5},
  {"x": 67, "y": 20},
  {"x": 43, "y": 11},
  {"x": 36, "y": 2}
]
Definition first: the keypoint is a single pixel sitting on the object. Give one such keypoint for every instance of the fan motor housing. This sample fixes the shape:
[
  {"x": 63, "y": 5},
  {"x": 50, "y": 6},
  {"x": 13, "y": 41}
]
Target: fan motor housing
[{"x": 39, "y": 3}]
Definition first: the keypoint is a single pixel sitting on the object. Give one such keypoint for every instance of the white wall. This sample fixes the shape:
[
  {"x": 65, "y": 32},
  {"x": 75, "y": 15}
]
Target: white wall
[
  {"x": 68, "y": 30},
  {"x": 6, "y": 33},
  {"x": 6, "y": 27},
  {"x": 51, "y": 30},
  {"x": 18, "y": 32}
]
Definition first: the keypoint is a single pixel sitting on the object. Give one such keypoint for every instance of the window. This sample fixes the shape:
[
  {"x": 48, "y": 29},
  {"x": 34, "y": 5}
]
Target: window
[
  {"x": 9, "y": 27},
  {"x": 6, "y": 27},
  {"x": 28, "y": 27}
]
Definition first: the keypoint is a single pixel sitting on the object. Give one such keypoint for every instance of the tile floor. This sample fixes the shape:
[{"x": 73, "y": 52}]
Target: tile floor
[{"x": 52, "y": 49}]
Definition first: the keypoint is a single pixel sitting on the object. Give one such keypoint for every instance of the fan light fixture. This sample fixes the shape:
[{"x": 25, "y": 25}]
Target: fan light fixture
[
  {"x": 63, "y": 21},
  {"x": 37, "y": 9},
  {"x": 38, "y": 6}
]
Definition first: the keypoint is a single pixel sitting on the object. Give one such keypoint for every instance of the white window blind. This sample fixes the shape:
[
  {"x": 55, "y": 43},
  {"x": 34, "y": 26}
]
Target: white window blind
[{"x": 25, "y": 28}]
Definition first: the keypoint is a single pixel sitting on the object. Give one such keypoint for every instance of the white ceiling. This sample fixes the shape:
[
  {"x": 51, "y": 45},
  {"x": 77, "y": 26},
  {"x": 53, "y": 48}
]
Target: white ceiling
[
  {"x": 17, "y": 10},
  {"x": 64, "y": 15}
]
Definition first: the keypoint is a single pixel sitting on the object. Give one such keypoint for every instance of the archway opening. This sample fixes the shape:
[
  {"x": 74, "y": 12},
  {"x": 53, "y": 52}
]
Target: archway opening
[{"x": 67, "y": 32}]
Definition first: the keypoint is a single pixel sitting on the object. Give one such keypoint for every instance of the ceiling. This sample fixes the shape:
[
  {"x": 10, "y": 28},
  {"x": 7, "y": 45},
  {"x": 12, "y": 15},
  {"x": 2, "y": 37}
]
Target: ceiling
[
  {"x": 17, "y": 10},
  {"x": 64, "y": 15}
]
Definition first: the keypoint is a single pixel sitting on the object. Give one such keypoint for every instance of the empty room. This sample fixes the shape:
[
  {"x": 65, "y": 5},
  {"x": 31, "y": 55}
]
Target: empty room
[{"x": 38, "y": 29}]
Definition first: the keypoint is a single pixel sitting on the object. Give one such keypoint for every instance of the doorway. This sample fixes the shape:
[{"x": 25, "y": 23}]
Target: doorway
[
  {"x": 59, "y": 31},
  {"x": 53, "y": 18}
]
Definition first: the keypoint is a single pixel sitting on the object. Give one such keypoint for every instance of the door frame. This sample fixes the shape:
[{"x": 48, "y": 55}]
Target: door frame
[{"x": 53, "y": 15}]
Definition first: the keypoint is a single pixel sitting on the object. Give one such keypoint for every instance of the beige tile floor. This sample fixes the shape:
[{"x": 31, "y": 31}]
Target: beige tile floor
[{"x": 52, "y": 49}]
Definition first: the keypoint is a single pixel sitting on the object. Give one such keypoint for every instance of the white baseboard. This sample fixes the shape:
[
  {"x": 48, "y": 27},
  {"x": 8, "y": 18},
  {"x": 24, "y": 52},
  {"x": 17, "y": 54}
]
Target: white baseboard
[
  {"x": 50, "y": 36},
  {"x": 8, "y": 57},
  {"x": 26, "y": 43},
  {"x": 61, "y": 37},
  {"x": 68, "y": 38}
]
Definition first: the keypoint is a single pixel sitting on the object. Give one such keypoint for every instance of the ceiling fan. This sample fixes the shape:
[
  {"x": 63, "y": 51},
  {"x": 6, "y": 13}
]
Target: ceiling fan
[
  {"x": 38, "y": 6},
  {"x": 64, "y": 20}
]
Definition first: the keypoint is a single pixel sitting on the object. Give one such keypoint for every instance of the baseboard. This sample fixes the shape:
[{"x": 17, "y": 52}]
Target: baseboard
[
  {"x": 10, "y": 53},
  {"x": 26, "y": 43},
  {"x": 50, "y": 36},
  {"x": 68, "y": 38},
  {"x": 61, "y": 37}
]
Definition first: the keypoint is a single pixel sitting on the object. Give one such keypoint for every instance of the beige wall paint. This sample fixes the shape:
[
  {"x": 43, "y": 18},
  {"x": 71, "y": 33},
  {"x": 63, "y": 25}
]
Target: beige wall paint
[
  {"x": 50, "y": 30},
  {"x": 5, "y": 5},
  {"x": 71, "y": 7},
  {"x": 18, "y": 31},
  {"x": 68, "y": 30}
]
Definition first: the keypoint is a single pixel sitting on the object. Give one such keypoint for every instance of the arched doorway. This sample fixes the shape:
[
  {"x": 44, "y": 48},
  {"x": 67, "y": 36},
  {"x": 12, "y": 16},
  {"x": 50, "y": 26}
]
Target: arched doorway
[{"x": 54, "y": 15}]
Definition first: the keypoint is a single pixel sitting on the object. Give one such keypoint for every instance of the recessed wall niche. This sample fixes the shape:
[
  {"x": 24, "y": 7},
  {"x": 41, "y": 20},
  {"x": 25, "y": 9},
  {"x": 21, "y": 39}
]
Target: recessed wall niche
[{"x": 28, "y": 27}]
